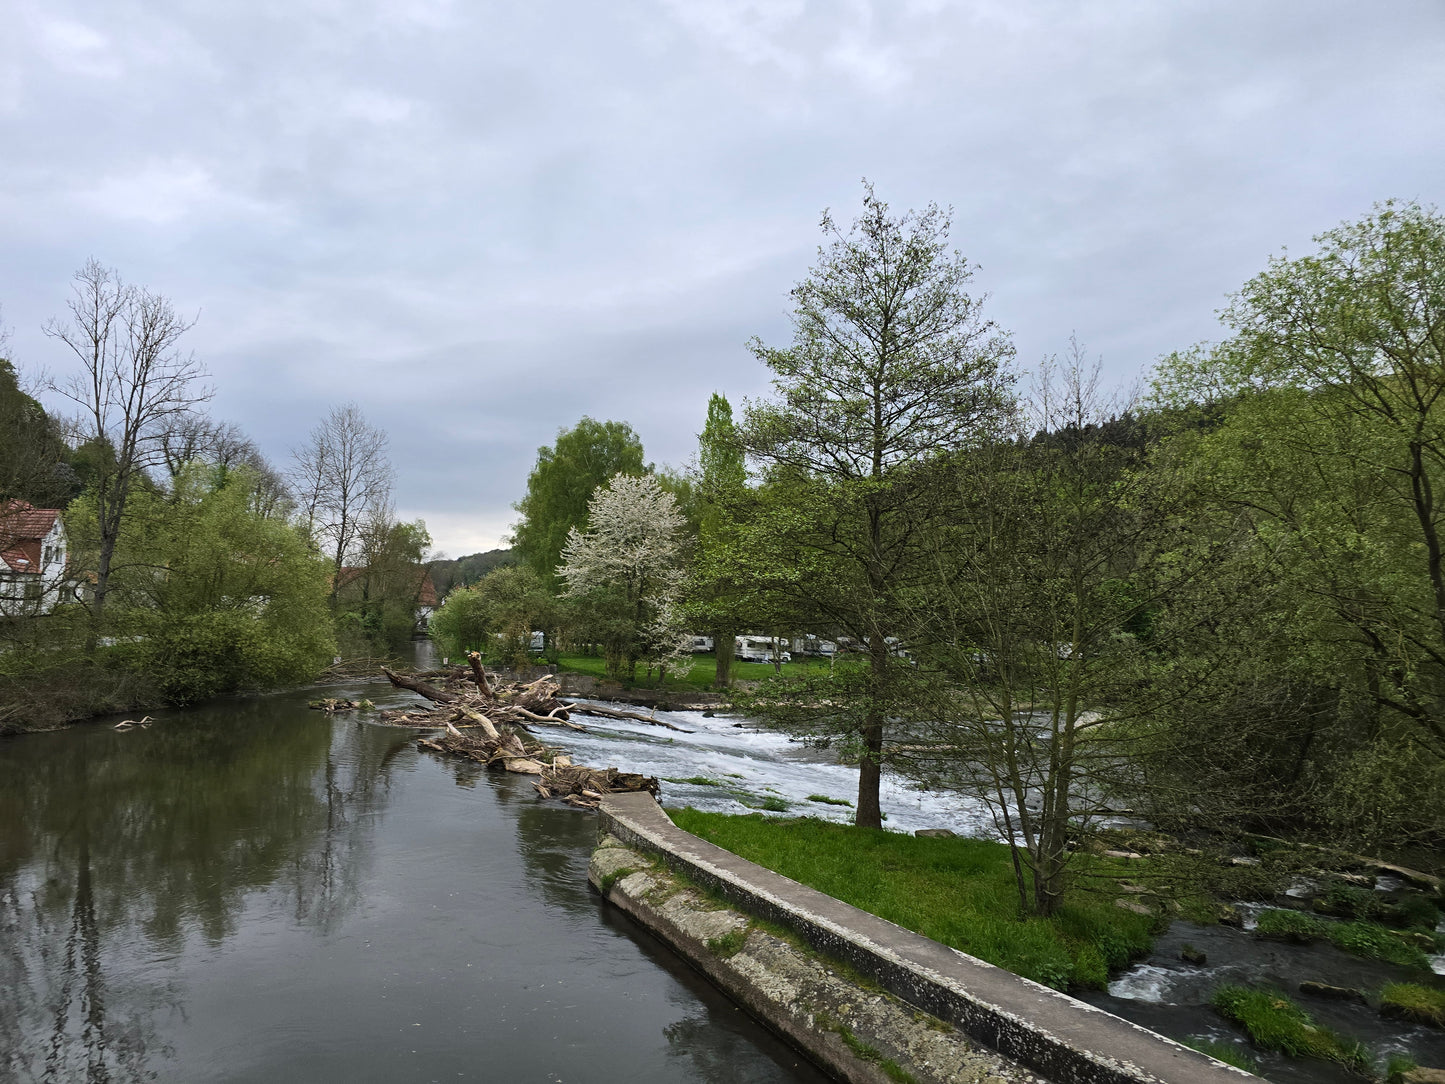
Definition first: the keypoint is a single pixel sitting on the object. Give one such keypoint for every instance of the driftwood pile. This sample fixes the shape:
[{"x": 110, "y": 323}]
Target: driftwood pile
[{"x": 490, "y": 722}]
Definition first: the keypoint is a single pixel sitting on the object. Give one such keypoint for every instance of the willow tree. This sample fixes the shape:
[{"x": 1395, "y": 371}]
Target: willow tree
[{"x": 891, "y": 364}]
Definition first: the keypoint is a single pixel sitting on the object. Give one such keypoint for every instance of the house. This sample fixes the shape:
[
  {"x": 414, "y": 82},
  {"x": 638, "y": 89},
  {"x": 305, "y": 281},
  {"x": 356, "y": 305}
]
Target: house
[{"x": 32, "y": 559}]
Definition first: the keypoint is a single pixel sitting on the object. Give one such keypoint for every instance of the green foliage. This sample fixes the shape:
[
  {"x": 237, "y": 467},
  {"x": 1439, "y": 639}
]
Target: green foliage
[
  {"x": 495, "y": 616},
  {"x": 1225, "y": 1052},
  {"x": 728, "y": 944},
  {"x": 1316, "y": 435},
  {"x": 1276, "y": 1023},
  {"x": 1363, "y": 939},
  {"x": 213, "y": 598},
  {"x": 825, "y": 800},
  {"x": 1425, "y": 1004},
  {"x": 958, "y": 891},
  {"x": 560, "y": 485},
  {"x": 34, "y": 461},
  {"x": 376, "y": 602},
  {"x": 465, "y": 571}
]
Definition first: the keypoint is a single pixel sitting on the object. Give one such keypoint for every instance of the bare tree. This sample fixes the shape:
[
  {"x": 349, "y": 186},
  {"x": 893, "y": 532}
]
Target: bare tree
[
  {"x": 195, "y": 438},
  {"x": 134, "y": 383},
  {"x": 341, "y": 478}
]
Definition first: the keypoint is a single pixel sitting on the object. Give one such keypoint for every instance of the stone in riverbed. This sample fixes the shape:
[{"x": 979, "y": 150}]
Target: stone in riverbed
[
  {"x": 935, "y": 833},
  {"x": 1337, "y": 993}
]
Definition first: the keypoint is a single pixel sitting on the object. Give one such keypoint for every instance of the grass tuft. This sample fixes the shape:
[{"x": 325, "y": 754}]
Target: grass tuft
[
  {"x": 1366, "y": 940},
  {"x": 1274, "y": 1022},
  {"x": 697, "y": 781},
  {"x": 1225, "y": 1052},
  {"x": 829, "y": 801},
  {"x": 728, "y": 944},
  {"x": 1411, "y": 1001}
]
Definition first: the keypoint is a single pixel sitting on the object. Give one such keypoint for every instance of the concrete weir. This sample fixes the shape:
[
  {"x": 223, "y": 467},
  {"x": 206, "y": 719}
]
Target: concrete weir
[{"x": 1020, "y": 1031}]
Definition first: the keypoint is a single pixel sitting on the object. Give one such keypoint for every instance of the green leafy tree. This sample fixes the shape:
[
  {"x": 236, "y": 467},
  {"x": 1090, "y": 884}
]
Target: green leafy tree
[
  {"x": 497, "y": 615},
  {"x": 891, "y": 364},
  {"x": 717, "y": 599},
  {"x": 213, "y": 598},
  {"x": 34, "y": 460},
  {"x": 562, "y": 482},
  {"x": 1328, "y": 447}
]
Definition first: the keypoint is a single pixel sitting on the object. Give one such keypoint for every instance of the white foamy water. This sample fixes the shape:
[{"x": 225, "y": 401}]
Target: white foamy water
[
  {"x": 755, "y": 764},
  {"x": 1143, "y": 983}
]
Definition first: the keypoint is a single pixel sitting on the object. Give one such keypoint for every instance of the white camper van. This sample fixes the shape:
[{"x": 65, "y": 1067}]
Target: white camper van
[{"x": 759, "y": 649}]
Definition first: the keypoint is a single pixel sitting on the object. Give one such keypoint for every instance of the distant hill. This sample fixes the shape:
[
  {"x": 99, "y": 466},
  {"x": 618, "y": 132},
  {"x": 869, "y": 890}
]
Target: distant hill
[{"x": 465, "y": 571}]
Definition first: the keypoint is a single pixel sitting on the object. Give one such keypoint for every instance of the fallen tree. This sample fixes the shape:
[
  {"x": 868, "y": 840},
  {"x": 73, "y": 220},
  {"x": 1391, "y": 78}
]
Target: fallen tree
[{"x": 489, "y": 722}]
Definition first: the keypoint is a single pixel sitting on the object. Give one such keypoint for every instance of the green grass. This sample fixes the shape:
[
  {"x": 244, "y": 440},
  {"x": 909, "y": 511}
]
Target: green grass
[
  {"x": 1225, "y": 1052},
  {"x": 1274, "y": 1022},
  {"x": 1411, "y": 1001},
  {"x": 701, "y": 676},
  {"x": 698, "y": 781},
  {"x": 957, "y": 891},
  {"x": 1364, "y": 939},
  {"x": 829, "y": 801},
  {"x": 729, "y": 944}
]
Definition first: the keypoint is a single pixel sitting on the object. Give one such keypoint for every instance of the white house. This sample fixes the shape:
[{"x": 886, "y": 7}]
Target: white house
[{"x": 32, "y": 559}]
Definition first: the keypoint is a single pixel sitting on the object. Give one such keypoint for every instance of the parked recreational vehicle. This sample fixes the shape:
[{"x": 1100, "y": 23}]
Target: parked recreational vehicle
[
  {"x": 760, "y": 649},
  {"x": 701, "y": 644}
]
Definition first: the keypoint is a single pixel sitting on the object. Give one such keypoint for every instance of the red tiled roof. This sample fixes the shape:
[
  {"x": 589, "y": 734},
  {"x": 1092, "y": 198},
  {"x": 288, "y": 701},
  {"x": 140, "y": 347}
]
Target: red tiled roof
[{"x": 22, "y": 526}]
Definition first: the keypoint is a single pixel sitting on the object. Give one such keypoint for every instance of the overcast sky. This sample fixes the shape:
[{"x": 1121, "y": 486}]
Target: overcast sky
[{"x": 481, "y": 221}]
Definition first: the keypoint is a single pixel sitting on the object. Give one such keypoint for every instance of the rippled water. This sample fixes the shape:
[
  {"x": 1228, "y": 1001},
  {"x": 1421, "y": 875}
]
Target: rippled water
[{"x": 257, "y": 892}]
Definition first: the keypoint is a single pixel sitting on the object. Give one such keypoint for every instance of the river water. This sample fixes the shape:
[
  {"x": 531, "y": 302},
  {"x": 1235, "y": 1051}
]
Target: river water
[{"x": 253, "y": 891}]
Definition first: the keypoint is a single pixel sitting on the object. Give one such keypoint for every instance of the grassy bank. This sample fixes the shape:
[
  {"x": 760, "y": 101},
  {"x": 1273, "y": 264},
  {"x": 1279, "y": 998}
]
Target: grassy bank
[
  {"x": 957, "y": 891},
  {"x": 700, "y": 676}
]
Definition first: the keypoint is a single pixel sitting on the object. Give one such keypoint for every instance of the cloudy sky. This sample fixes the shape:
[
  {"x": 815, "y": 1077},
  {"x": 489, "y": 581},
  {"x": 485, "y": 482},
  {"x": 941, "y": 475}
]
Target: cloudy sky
[{"x": 481, "y": 221}]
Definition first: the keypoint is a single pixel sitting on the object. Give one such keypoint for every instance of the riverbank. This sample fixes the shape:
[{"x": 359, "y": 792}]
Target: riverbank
[{"x": 1050, "y": 1033}]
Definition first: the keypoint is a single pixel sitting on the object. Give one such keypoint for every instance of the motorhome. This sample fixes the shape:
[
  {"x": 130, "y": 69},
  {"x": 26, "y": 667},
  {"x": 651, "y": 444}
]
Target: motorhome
[
  {"x": 701, "y": 645},
  {"x": 760, "y": 649}
]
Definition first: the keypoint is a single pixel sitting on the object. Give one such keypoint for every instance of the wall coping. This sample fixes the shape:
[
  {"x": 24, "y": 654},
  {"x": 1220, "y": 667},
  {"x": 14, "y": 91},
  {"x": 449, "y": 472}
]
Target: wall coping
[{"x": 1067, "y": 1040}]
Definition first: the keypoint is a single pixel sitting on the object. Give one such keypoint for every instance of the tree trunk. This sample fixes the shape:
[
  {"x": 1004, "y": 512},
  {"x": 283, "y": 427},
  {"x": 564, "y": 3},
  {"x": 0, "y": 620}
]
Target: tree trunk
[{"x": 724, "y": 646}]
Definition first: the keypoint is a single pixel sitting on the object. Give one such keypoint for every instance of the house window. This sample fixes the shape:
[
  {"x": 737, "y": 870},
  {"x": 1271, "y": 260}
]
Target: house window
[{"x": 34, "y": 590}]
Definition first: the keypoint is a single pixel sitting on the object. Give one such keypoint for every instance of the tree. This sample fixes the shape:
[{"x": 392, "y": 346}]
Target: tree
[
  {"x": 891, "y": 364},
  {"x": 630, "y": 561},
  {"x": 195, "y": 438},
  {"x": 563, "y": 481},
  {"x": 341, "y": 478},
  {"x": 213, "y": 598},
  {"x": 34, "y": 461},
  {"x": 1043, "y": 630},
  {"x": 134, "y": 382},
  {"x": 721, "y": 483},
  {"x": 1327, "y": 445},
  {"x": 497, "y": 615}
]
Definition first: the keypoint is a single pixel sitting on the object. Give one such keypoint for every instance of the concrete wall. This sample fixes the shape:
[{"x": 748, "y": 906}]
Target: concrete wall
[{"x": 1065, "y": 1040}]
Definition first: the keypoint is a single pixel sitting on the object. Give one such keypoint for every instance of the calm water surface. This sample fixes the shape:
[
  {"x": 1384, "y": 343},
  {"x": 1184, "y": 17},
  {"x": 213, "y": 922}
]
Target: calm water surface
[{"x": 256, "y": 892}]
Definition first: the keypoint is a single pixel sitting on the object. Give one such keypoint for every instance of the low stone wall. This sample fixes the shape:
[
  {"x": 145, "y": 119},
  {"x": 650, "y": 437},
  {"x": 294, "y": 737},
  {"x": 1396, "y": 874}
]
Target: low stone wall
[
  {"x": 1065, "y": 1040},
  {"x": 857, "y": 1035}
]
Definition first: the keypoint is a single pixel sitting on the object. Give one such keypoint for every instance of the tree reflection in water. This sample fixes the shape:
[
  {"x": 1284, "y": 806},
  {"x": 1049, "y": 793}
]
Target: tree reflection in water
[{"x": 115, "y": 849}]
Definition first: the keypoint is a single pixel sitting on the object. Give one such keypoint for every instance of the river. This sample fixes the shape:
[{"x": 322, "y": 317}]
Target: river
[{"x": 252, "y": 891}]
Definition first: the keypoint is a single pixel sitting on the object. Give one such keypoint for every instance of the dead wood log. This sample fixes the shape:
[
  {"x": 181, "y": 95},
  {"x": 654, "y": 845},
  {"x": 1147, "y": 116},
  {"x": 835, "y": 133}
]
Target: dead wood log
[
  {"x": 478, "y": 674},
  {"x": 431, "y": 692},
  {"x": 584, "y": 708}
]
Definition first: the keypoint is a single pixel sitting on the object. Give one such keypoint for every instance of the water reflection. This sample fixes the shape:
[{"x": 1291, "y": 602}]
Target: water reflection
[
  {"x": 254, "y": 892},
  {"x": 116, "y": 848}
]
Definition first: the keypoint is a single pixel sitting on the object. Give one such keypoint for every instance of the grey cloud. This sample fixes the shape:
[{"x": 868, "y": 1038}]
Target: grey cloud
[{"x": 482, "y": 220}]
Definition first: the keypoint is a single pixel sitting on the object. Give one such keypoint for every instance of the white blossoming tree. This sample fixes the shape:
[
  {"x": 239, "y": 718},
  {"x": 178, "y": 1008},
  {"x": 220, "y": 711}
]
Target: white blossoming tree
[{"x": 629, "y": 564}]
